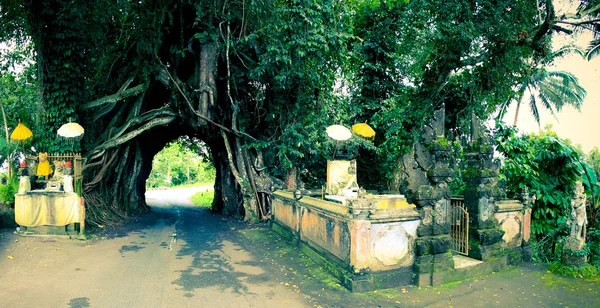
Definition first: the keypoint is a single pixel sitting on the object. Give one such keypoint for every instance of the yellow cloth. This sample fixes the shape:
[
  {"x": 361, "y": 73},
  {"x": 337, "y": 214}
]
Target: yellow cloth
[
  {"x": 44, "y": 168},
  {"x": 46, "y": 209}
]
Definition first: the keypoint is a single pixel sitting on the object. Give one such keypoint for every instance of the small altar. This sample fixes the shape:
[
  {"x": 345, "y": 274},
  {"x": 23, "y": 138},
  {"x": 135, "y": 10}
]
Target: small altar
[
  {"x": 51, "y": 207},
  {"x": 35, "y": 209}
]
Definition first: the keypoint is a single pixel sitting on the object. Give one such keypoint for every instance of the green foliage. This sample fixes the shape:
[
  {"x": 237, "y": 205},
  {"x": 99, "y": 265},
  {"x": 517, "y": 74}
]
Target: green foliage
[
  {"x": 412, "y": 57},
  {"x": 177, "y": 165},
  {"x": 18, "y": 99},
  {"x": 593, "y": 240},
  {"x": 549, "y": 168},
  {"x": 291, "y": 67},
  {"x": 8, "y": 191},
  {"x": 583, "y": 271},
  {"x": 592, "y": 185},
  {"x": 291, "y": 83}
]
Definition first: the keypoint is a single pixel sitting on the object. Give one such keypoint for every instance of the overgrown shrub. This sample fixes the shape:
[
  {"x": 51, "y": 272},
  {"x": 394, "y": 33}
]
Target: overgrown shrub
[
  {"x": 594, "y": 245},
  {"x": 549, "y": 167},
  {"x": 8, "y": 189}
]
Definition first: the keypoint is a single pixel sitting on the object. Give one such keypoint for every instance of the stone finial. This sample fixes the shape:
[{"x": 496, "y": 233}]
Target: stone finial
[
  {"x": 475, "y": 128},
  {"x": 527, "y": 198},
  {"x": 439, "y": 121}
]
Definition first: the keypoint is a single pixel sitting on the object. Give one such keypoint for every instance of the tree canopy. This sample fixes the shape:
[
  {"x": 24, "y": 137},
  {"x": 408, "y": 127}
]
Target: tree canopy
[{"x": 258, "y": 81}]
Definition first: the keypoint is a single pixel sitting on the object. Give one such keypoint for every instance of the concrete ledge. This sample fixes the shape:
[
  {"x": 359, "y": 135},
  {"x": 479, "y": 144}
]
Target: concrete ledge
[
  {"x": 487, "y": 267},
  {"x": 509, "y": 206}
]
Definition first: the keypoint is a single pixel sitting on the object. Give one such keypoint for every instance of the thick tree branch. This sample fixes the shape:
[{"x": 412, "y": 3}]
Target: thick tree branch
[
  {"x": 116, "y": 97},
  {"x": 238, "y": 133},
  {"x": 132, "y": 134},
  {"x": 579, "y": 23}
]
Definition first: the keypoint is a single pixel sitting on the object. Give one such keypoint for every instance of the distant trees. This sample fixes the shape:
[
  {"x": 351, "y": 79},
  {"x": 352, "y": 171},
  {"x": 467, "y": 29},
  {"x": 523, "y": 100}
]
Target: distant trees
[{"x": 178, "y": 165}]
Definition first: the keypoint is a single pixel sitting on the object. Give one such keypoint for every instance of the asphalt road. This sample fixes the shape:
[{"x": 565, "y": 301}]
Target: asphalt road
[{"x": 176, "y": 256}]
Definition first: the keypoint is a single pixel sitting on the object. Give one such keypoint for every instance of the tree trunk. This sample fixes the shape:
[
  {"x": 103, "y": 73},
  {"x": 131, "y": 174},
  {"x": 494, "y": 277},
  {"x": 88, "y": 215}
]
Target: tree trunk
[
  {"x": 291, "y": 179},
  {"x": 517, "y": 111}
]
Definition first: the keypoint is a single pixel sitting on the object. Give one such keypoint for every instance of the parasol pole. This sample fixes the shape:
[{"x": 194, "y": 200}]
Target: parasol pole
[{"x": 7, "y": 139}]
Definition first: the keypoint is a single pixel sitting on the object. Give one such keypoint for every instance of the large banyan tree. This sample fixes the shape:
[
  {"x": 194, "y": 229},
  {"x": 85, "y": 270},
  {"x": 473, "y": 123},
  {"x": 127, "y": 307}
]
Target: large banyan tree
[{"x": 259, "y": 80}]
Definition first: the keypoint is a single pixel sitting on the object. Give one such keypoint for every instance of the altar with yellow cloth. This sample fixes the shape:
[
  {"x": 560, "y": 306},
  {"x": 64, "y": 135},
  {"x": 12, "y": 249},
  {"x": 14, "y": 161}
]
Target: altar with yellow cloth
[
  {"x": 44, "y": 212},
  {"x": 33, "y": 209}
]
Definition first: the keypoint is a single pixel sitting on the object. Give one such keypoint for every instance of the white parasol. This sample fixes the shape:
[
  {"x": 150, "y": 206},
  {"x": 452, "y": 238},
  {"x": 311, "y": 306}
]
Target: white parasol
[
  {"x": 71, "y": 130},
  {"x": 338, "y": 132}
]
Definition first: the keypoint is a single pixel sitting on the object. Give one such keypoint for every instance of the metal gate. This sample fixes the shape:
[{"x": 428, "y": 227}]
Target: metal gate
[{"x": 459, "y": 226}]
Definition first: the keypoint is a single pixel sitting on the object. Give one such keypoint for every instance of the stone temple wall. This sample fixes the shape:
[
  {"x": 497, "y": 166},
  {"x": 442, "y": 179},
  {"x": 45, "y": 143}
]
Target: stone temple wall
[{"x": 365, "y": 247}]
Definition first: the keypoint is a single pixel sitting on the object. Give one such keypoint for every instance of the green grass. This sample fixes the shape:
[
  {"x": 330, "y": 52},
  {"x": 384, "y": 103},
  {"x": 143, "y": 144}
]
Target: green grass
[{"x": 203, "y": 199}]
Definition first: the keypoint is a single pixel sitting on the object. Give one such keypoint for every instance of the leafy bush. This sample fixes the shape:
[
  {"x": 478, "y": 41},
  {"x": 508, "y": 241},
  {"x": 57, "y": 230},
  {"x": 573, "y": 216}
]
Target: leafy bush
[
  {"x": 594, "y": 246},
  {"x": 8, "y": 191},
  {"x": 549, "y": 167},
  {"x": 583, "y": 271}
]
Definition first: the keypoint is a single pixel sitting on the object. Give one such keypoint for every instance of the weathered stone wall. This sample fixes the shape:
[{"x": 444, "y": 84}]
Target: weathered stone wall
[
  {"x": 327, "y": 231},
  {"x": 510, "y": 216},
  {"x": 369, "y": 247}
]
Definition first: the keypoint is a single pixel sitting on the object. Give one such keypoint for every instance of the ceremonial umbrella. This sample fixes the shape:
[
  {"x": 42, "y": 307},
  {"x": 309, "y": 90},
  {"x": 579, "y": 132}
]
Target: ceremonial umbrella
[
  {"x": 21, "y": 133},
  {"x": 338, "y": 132},
  {"x": 71, "y": 130},
  {"x": 364, "y": 130}
]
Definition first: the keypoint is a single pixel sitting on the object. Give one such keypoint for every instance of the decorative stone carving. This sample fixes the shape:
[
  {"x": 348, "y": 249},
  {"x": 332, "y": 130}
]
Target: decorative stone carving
[{"x": 577, "y": 221}]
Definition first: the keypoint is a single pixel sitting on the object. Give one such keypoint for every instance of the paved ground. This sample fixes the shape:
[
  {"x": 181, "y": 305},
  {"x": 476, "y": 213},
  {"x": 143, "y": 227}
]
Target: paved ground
[{"x": 181, "y": 256}]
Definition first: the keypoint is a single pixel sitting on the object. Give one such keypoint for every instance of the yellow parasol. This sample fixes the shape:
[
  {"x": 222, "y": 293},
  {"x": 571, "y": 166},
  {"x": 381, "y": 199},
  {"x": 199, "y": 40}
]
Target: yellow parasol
[
  {"x": 364, "y": 130},
  {"x": 338, "y": 132},
  {"x": 21, "y": 133}
]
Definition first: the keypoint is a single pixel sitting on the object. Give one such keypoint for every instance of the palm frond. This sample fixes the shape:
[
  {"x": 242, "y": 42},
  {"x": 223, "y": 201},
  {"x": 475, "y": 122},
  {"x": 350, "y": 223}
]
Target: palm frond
[
  {"x": 592, "y": 50},
  {"x": 534, "y": 109},
  {"x": 565, "y": 51}
]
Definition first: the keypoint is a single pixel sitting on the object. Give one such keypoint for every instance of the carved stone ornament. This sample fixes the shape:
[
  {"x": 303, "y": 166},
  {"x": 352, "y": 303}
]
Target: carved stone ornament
[{"x": 577, "y": 221}]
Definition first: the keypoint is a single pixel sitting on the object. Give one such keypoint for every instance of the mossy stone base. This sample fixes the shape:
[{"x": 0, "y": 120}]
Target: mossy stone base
[
  {"x": 486, "y": 252},
  {"x": 527, "y": 253},
  {"x": 436, "y": 229},
  {"x": 487, "y": 237},
  {"x": 426, "y": 266},
  {"x": 433, "y": 245},
  {"x": 51, "y": 231},
  {"x": 514, "y": 256},
  {"x": 568, "y": 259}
]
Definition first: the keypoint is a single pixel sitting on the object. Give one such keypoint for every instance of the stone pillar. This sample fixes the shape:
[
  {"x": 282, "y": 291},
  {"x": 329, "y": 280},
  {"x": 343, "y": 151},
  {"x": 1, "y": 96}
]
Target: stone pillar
[
  {"x": 481, "y": 192},
  {"x": 428, "y": 186}
]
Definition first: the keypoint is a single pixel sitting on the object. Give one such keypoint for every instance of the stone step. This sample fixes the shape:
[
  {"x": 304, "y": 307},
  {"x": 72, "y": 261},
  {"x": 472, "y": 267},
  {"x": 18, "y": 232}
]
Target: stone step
[{"x": 461, "y": 261}]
